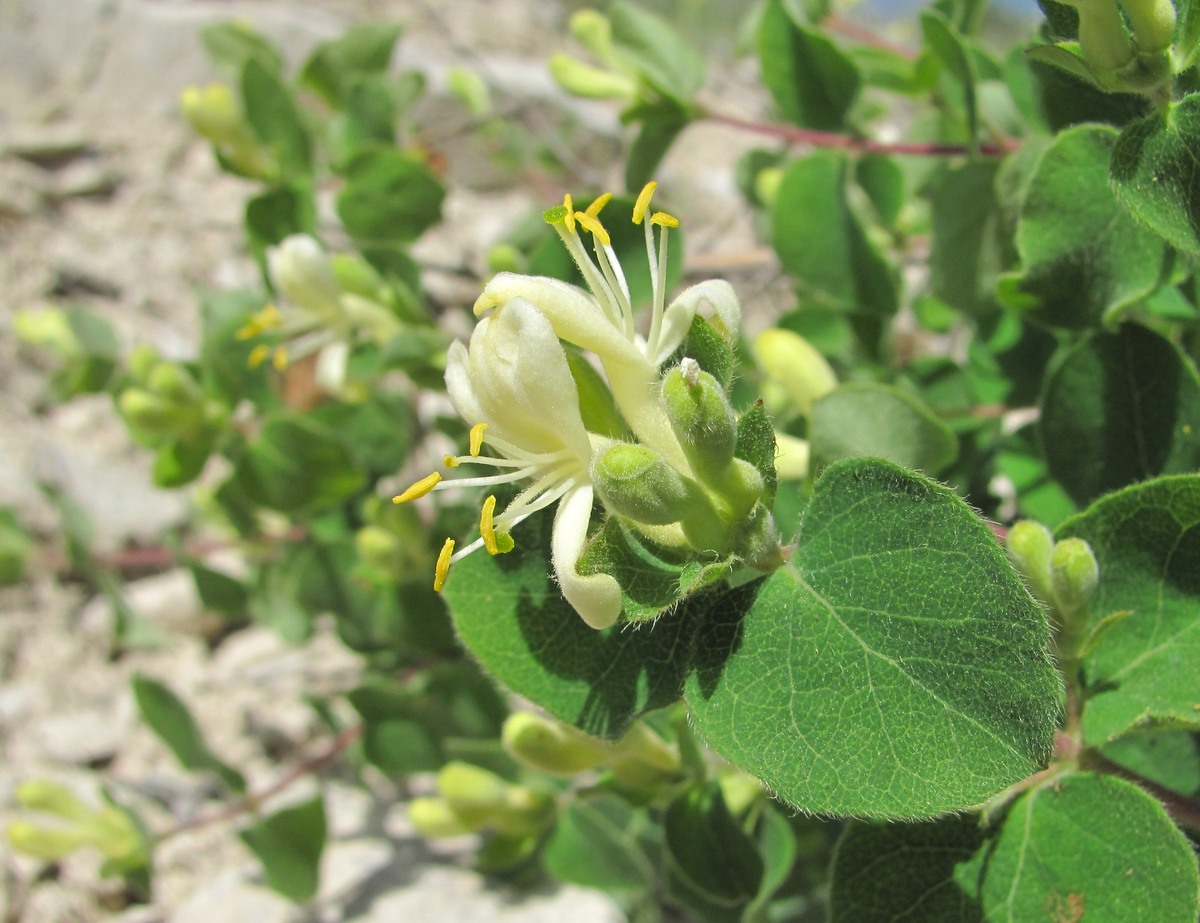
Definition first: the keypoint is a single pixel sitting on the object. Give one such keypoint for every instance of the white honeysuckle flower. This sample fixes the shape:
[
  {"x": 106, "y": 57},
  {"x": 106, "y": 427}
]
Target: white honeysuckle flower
[
  {"x": 601, "y": 319},
  {"x": 513, "y": 385},
  {"x": 314, "y": 314}
]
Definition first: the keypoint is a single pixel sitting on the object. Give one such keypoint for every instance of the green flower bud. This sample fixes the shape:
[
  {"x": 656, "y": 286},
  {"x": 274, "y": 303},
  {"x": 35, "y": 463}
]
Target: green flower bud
[
  {"x": 505, "y": 258},
  {"x": 213, "y": 112},
  {"x": 1030, "y": 546},
  {"x": 1153, "y": 24},
  {"x": 593, "y": 31},
  {"x": 793, "y": 363},
  {"x": 171, "y": 381},
  {"x": 470, "y": 89},
  {"x": 1074, "y": 574},
  {"x": 49, "y": 844},
  {"x": 550, "y": 746},
  {"x": 49, "y": 329},
  {"x": 590, "y": 82},
  {"x": 634, "y": 481},
  {"x": 379, "y": 548},
  {"x": 642, "y": 761},
  {"x": 148, "y": 415},
  {"x": 142, "y": 360},
  {"x": 434, "y": 818},
  {"x": 702, "y": 419},
  {"x": 40, "y": 795},
  {"x": 474, "y": 794},
  {"x": 1102, "y": 37},
  {"x": 740, "y": 790}
]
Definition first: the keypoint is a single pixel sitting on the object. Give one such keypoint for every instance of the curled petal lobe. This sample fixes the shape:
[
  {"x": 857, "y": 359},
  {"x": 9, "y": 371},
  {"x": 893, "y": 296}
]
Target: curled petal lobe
[
  {"x": 714, "y": 300},
  {"x": 596, "y": 597}
]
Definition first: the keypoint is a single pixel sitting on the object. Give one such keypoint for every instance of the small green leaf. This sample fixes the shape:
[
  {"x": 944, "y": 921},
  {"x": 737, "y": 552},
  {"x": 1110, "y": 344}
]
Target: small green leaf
[
  {"x": 1146, "y": 669},
  {"x": 715, "y": 867},
  {"x": 814, "y": 83},
  {"x": 821, "y": 241},
  {"x": 1119, "y": 408},
  {"x": 231, "y": 45},
  {"x": 15, "y": 546},
  {"x": 1066, "y": 57},
  {"x": 950, "y": 49},
  {"x": 965, "y": 255},
  {"x": 661, "y": 125},
  {"x": 1089, "y": 847},
  {"x": 1171, "y": 759},
  {"x": 864, "y": 418},
  {"x": 218, "y": 591},
  {"x": 397, "y": 738},
  {"x": 363, "y": 50},
  {"x": 169, "y": 718},
  {"x": 297, "y": 464},
  {"x": 389, "y": 197},
  {"x": 596, "y": 844},
  {"x": 278, "y": 213},
  {"x": 883, "y": 873},
  {"x": 1156, "y": 176},
  {"x": 900, "y": 607},
  {"x": 289, "y": 844},
  {"x": 882, "y": 179},
  {"x": 1083, "y": 257},
  {"x": 275, "y": 119},
  {"x": 661, "y": 56}
]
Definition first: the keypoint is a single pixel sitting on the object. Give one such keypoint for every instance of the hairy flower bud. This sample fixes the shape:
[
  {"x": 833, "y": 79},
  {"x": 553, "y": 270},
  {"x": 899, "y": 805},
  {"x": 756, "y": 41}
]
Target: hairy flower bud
[
  {"x": 634, "y": 481},
  {"x": 1153, "y": 24},
  {"x": 1030, "y": 546},
  {"x": 550, "y": 746},
  {"x": 434, "y": 818},
  {"x": 1074, "y": 575},
  {"x": 794, "y": 364},
  {"x": 702, "y": 419}
]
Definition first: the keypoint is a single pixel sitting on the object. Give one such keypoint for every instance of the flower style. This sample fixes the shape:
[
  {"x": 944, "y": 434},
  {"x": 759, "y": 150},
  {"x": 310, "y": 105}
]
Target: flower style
[
  {"x": 316, "y": 315},
  {"x": 515, "y": 387}
]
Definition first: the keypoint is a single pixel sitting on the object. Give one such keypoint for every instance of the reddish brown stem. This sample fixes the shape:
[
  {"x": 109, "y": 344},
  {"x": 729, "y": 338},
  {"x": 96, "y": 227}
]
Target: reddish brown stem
[
  {"x": 255, "y": 800},
  {"x": 813, "y": 138}
]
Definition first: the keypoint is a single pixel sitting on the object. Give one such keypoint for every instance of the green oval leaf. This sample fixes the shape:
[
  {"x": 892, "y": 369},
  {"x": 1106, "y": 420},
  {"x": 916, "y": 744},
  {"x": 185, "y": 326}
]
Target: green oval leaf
[
  {"x": 864, "y": 418},
  {"x": 389, "y": 196},
  {"x": 814, "y": 83},
  {"x": 1092, "y": 848},
  {"x": 1083, "y": 256},
  {"x": 289, "y": 844},
  {"x": 1156, "y": 173},
  {"x": 898, "y": 666},
  {"x": 1121, "y": 407}
]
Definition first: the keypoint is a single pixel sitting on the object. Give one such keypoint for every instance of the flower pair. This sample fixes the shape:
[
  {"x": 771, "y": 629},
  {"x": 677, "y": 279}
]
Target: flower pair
[{"x": 517, "y": 388}]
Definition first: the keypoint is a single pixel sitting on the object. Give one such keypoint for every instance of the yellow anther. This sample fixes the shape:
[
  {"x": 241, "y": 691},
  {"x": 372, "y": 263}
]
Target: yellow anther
[
  {"x": 419, "y": 489},
  {"x": 477, "y": 438},
  {"x": 486, "y": 527},
  {"x": 643, "y": 201},
  {"x": 450, "y": 461},
  {"x": 570, "y": 216},
  {"x": 266, "y": 319},
  {"x": 592, "y": 224},
  {"x": 663, "y": 220},
  {"x": 597, "y": 206},
  {"x": 443, "y": 565},
  {"x": 280, "y": 358},
  {"x": 258, "y": 355}
]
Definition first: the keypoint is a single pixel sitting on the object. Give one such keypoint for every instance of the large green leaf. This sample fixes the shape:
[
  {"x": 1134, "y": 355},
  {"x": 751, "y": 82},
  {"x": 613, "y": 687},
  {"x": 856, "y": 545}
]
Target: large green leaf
[
  {"x": 896, "y": 668},
  {"x": 950, "y": 49},
  {"x": 1147, "y": 668},
  {"x": 1087, "y": 847},
  {"x": 1121, "y": 407},
  {"x": 814, "y": 83},
  {"x": 1091, "y": 848},
  {"x": 1083, "y": 256},
  {"x": 1156, "y": 173},
  {"x": 822, "y": 243},
  {"x": 964, "y": 258},
  {"x": 865, "y": 418},
  {"x": 289, "y": 844}
]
